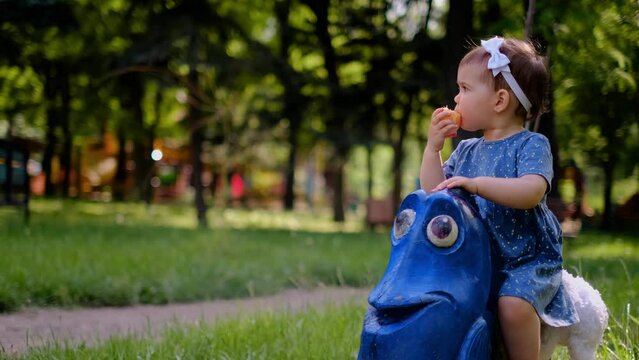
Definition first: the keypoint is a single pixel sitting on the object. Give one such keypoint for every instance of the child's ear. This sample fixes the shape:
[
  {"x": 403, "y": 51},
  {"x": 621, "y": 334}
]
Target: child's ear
[{"x": 502, "y": 100}]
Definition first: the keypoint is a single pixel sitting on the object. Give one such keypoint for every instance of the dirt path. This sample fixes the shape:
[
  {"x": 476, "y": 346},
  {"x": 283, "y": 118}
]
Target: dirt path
[{"x": 34, "y": 327}]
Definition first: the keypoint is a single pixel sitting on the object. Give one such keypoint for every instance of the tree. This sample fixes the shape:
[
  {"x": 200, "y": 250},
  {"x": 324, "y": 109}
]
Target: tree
[
  {"x": 200, "y": 46},
  {"x": 596, "y": 51},
  {"x": 293, "y": 99},
  {"x": 37, "y": 24},
  {"x": 334, "y": 120}
]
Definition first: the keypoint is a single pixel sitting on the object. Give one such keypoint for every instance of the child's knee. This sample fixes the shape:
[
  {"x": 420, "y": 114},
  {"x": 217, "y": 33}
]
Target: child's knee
[{"x": 514, "y": 311}]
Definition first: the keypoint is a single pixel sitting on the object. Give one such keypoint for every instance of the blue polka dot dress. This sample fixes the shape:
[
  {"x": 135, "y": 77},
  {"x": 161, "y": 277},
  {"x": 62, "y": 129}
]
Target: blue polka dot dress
[{"x": 527, "y": 242}]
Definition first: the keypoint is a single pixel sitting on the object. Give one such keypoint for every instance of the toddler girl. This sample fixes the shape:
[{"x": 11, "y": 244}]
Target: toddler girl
[{"x": 502, "y": 84}]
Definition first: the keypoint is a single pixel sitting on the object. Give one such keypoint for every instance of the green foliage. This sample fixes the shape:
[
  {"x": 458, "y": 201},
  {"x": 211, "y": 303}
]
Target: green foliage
[
  {"x": 391, "y": 62},
  {"x": 20, "y": 96},
  {"x": 594, "y": 66}
]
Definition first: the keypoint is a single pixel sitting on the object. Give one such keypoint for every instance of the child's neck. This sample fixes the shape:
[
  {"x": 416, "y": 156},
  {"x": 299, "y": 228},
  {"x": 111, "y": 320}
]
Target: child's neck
[{"x": 503, "y": 129}]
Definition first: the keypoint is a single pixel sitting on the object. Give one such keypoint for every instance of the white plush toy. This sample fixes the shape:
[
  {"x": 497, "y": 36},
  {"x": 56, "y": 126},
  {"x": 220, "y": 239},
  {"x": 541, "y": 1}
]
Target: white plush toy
[{"x": 584, "y": 337}]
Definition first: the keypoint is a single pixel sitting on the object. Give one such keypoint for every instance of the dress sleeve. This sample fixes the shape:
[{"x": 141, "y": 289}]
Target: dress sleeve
[
  {"x": 535, "y": 158},
  {"x": 449, "y": 165}
]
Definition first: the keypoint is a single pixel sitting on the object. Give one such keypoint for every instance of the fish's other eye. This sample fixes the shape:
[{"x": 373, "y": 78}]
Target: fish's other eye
[
  {"x": 442, "y": 231},
  {"x": 403, "y": 222}
]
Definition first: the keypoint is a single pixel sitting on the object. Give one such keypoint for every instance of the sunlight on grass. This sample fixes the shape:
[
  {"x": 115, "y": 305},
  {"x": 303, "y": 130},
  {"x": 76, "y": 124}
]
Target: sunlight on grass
[
  {"x": 318, "y": 221},
  {"x": 616, "y": 248},
  {"x": 184, "y": 216},
  {"x": 601, "y": 246}
]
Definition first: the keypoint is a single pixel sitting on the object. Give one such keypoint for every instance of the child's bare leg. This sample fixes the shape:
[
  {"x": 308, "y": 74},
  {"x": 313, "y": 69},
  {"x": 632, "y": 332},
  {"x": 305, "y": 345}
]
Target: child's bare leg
[{"x": 520, "y": 328}]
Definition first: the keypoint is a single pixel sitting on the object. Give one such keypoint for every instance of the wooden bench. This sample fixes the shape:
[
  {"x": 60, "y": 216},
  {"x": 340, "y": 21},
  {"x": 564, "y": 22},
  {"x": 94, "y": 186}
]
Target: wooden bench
[
  {"x": 14, "y": 179},
  {"x": 379, "y": 212}
]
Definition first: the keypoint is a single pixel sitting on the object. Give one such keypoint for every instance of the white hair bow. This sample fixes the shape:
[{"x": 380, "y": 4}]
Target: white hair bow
[{"x": 498, "y": 63}]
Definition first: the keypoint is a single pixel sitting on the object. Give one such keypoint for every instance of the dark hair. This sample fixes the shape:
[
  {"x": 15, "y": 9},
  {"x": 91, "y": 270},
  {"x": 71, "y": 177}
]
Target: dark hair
[{"x": 527, "y": 66}]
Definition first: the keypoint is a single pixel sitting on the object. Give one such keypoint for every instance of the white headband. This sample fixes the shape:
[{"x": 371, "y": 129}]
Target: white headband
[{"x": 498, "y": 63}]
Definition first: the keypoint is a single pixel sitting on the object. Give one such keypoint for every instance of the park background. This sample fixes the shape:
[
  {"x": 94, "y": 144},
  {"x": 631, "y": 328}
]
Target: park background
[{"x": 172, "y": 132}]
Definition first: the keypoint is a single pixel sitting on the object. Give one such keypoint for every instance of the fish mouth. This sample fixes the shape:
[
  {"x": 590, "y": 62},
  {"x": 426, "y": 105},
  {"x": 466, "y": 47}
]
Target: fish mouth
[{"x": 404, "y": 313}]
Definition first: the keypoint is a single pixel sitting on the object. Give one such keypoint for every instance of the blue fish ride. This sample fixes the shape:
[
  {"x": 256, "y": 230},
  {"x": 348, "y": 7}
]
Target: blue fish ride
[{"x": 434, "y": 300}]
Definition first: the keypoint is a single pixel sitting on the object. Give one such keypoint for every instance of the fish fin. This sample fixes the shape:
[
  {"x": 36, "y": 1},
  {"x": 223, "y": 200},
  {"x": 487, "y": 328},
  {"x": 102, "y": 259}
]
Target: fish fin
[{"x": 477, "y": 344}]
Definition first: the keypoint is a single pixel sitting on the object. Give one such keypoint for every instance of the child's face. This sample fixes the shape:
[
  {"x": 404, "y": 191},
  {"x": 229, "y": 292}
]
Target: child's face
[{"x": 476, "y": 97}]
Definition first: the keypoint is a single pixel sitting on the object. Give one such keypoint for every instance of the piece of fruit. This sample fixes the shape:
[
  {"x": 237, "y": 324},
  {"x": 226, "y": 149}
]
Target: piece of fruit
[{"x": 456, "y": 117}]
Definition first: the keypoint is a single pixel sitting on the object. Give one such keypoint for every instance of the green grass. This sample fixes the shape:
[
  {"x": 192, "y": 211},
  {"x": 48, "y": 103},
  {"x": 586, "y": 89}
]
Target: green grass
[
  {"x": 328, "y": 333},
  {"x": 92, "y": 254},
  {"x": 611, "y": 263},
  {"x": 98, "y": 254}
]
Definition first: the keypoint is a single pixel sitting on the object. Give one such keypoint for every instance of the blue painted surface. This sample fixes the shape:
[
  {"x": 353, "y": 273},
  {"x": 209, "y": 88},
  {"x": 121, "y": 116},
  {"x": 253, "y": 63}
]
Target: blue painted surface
[{"x": 433, "y": 300}]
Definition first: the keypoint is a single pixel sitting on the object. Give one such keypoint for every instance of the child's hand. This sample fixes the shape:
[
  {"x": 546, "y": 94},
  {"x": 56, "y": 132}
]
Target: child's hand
[
  {"x": 441, "y": 127},
  {"x": 468, "y": 184}
]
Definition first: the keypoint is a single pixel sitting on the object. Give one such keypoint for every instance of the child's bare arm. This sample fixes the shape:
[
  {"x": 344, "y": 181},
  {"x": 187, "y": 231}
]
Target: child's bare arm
[
  {"x": 431, "y": 173},
  {"x": 518, "y": 193}
]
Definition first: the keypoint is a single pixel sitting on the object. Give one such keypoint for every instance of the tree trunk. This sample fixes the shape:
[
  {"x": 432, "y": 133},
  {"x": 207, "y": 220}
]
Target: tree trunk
[
  {"x": 78, "y": 172},
  {"x": 398, "y": 155},
  {"x": 51, "y": 94},
  {"x": 289, "y": 194},
  {"x": 132, "y": 95},
  {"x": 149, "y": 137},
  {"x": 120, "y": 169},
  {"x": 334, "y": 121},
  {"x": 197, "y": 138},
  {"x": 529, "y": 7},
  {"x": 67, "y": 137},
  {"x": 611, "y": 148},
  {"x": 547, "y": 128},
  {"x": 292, "y": 100},
  {"x": 459, "y": 29},
  {"x": 338, "y": 181},
  {"x": 608, "y": 169},
  {"x": 142, "y": 146},
  {"x": 9, "y": 116},
  {"x": 547, "y": 120},
  {"x": 49, "y": 153},
  {"x": 492, "y": 15},
  {"x": 369, "y": 168},
  {"x": 195, "y": 122}
]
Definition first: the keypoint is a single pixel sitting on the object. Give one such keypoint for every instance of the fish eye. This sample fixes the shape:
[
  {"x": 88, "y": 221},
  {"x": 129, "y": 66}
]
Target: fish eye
[
  {"x": 442, "y": 231},
  {"x": 403, "y": 221}
]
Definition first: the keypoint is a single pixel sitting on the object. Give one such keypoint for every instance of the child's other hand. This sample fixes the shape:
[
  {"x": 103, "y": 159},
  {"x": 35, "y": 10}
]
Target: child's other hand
[
  {"x": 441, "y": 127},
  {"x": 468, "y": 184}
]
